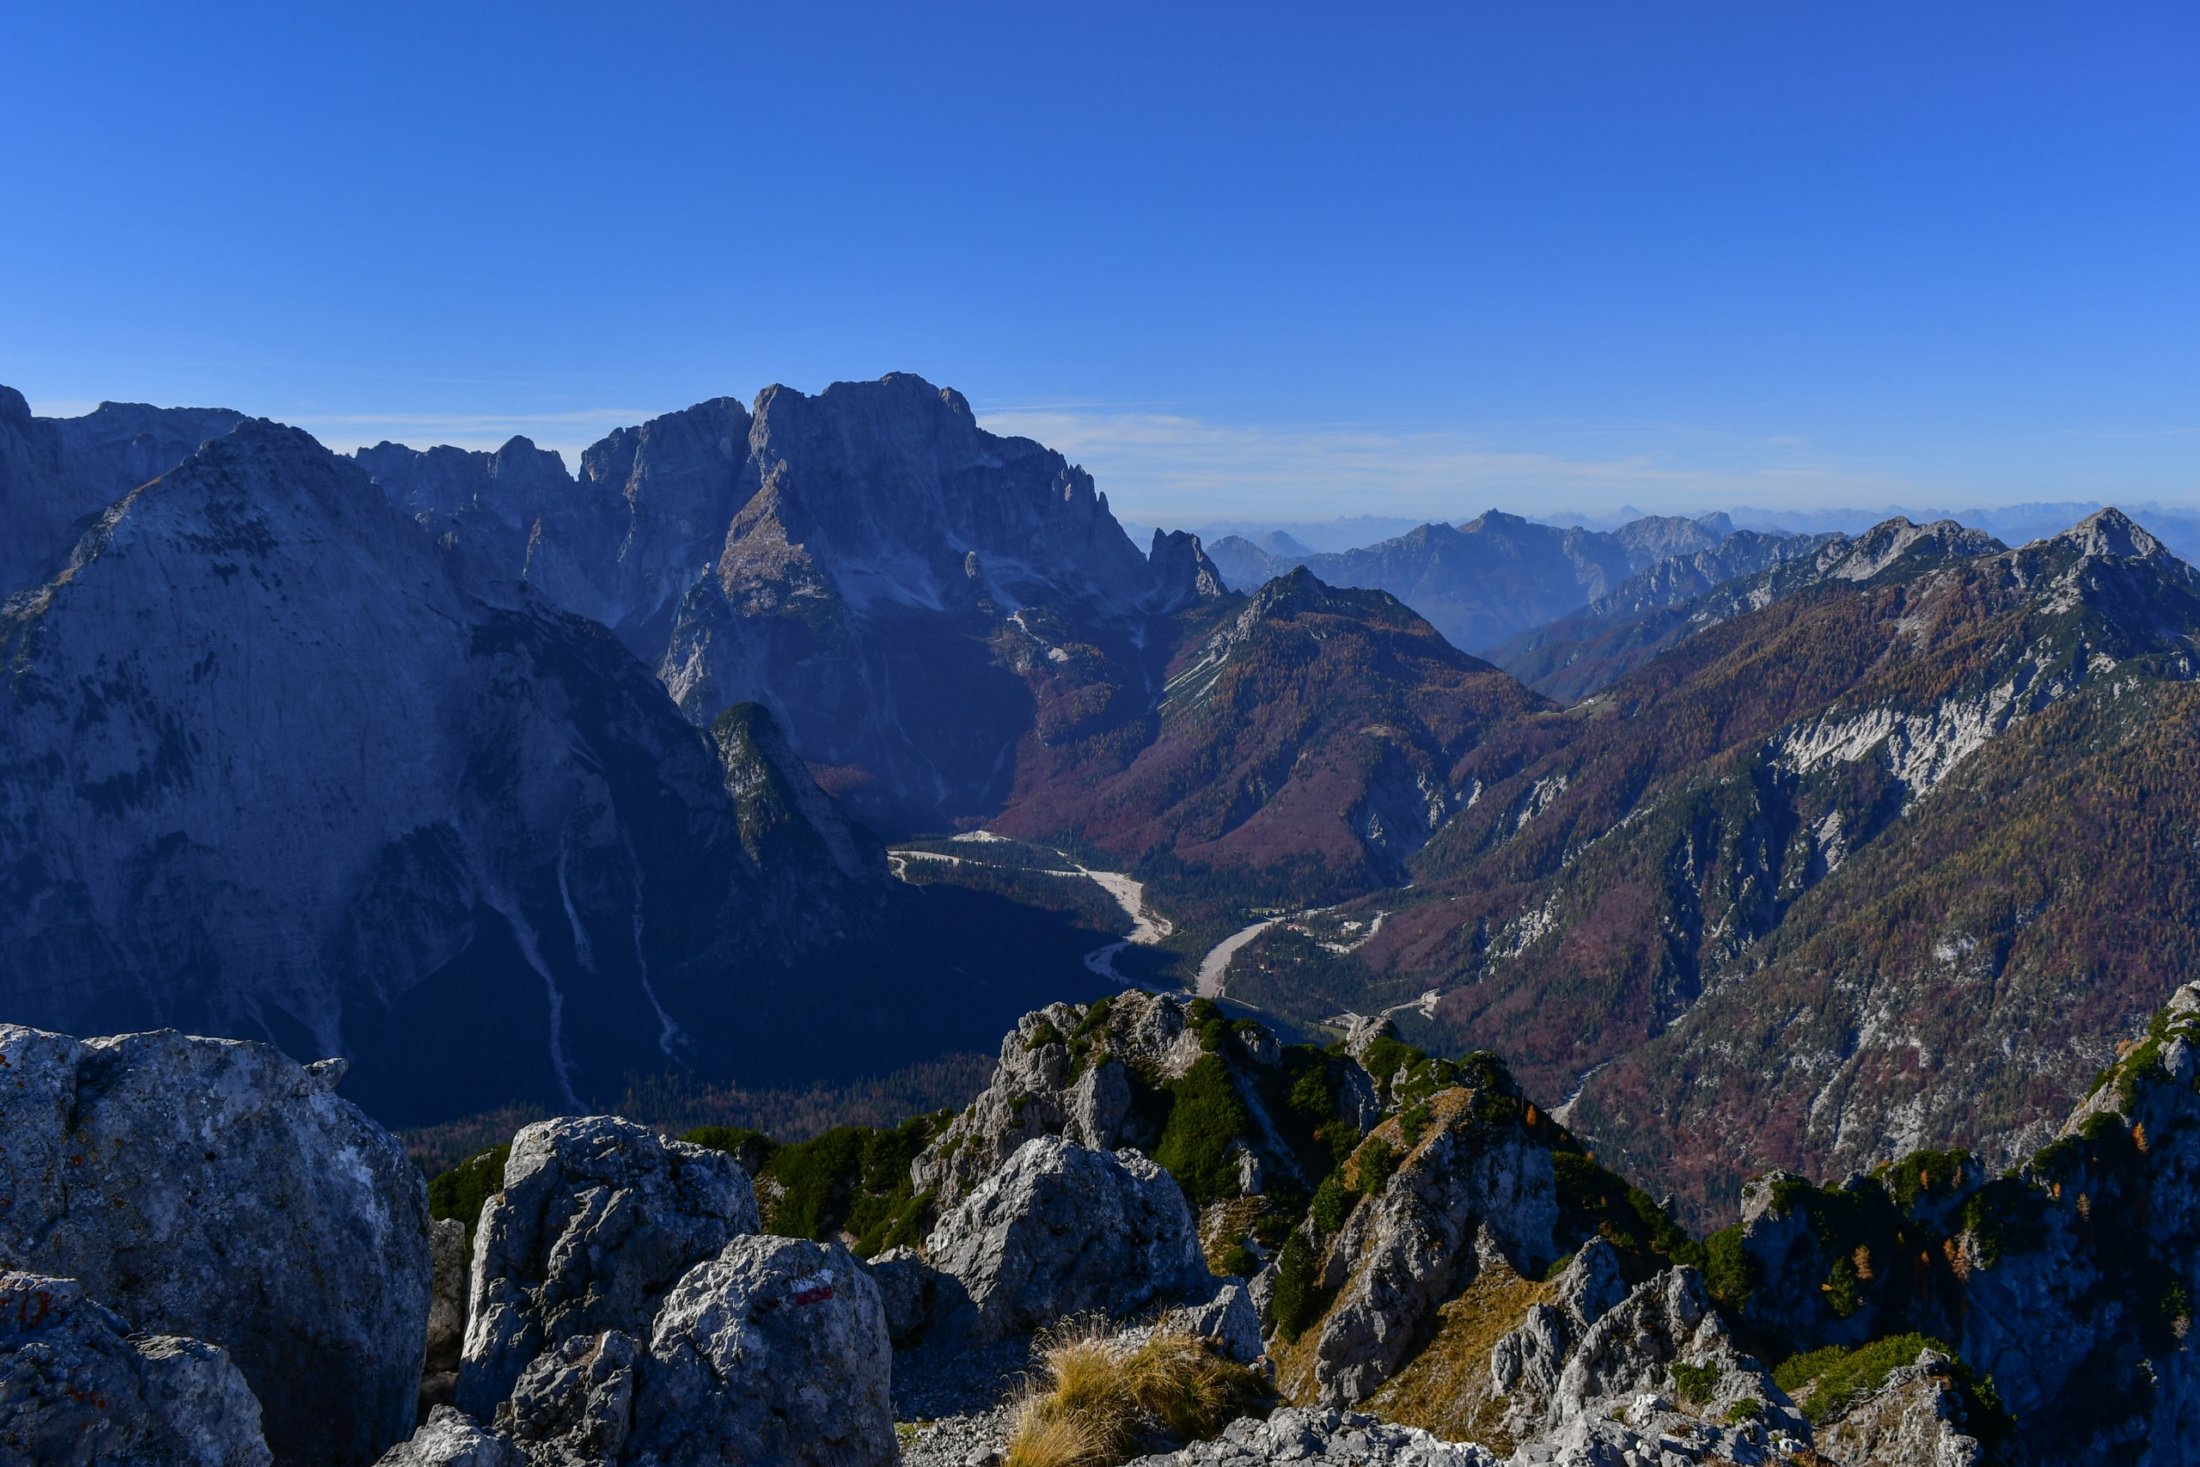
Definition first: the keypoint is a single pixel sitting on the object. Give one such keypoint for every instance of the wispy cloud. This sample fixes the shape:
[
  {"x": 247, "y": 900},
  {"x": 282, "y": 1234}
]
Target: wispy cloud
[{"x": 1170, "y": 469}]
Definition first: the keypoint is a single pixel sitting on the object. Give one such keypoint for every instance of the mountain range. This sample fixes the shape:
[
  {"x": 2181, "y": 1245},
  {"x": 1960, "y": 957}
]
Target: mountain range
[
  {"x": 1763, "y": 849},
  {"x": 1497, "y": 576}
]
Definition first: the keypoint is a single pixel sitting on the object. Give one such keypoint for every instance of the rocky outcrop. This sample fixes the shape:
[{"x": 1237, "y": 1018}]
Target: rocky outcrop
[
  {"x": 451, "y": 1438},
  {"x": 1185, "y": 574},
  {"x": 77, "y": 1387},
  {"x": 599, "y": 1218},
  {"x": 1915, "y": 1419},
  {"x": 908, "y": 1291},
  {"x": 1475, "y": 1183},
  {"x": 1348, "y": 1439},
  {"x": 1062, "y": 1230},
  {"x": 450, "y": 1268},
  {"x": 573, "y": 1406},
  {"x": 1230, "y": 1319},
  {"x": 774, "y": 1351},
  {"x": 1656, "y": 1365},
  {"x": 1068, "y": 1070},
  {"x": 216, "y": 1190}
]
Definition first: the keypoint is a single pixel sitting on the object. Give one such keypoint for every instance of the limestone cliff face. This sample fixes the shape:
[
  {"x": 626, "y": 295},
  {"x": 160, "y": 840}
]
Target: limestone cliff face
[
  {"x": 271, "y": 768},
  {"x": 57, "y": 473},
  {"x": 813, "y": 555}
]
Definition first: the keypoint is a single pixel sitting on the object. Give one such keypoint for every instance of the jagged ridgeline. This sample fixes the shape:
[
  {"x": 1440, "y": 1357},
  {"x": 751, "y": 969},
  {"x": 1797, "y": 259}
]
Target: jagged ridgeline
[
  {"x": 1423, "y": 1242},
  {"x": 1361, "y": 1253}
]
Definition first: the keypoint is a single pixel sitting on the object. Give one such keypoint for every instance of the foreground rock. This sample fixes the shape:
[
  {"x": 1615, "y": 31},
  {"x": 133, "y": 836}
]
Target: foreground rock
[
  {"x": 1063, "y": 1229},
  {"x": 1657, "y": 1366},
  {"x": 446, "y": 1313},
  {"x": 1301, "y": 1435},
  {"x": 452, "y": 1439},
  {"x": 216, "y": 1190},
  {"x": 598, "y": 1219},
  {"x": 774, "y": 1351},
  {"x": 76, "y": 1387}
]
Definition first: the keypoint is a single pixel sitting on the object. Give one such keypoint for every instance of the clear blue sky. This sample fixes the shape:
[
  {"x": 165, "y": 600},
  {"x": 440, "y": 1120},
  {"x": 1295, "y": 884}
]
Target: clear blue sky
[{"x": 1260, "y": 259}]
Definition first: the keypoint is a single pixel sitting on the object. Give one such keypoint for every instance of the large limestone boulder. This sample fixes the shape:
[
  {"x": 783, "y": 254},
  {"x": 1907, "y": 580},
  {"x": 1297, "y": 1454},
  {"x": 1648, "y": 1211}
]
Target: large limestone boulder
[
  {"x": 217, "y": 1190},
  {"x": 598, "y": 1219},
  {"x": 451, "y": 1438},
  {"x": 774, "y": 1351},
  {"x": 1063, "y": 1229},
  {"x": 1345, "y": 1438},
  {"x": 76, "y": 1387},
  {"x": 575, "y": 1404}
]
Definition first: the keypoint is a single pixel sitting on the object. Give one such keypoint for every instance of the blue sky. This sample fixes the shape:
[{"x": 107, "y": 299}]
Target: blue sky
[{"x": 1260, "y": 260}]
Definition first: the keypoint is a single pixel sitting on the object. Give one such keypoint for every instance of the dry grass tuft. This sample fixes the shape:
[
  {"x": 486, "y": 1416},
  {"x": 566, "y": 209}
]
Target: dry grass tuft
[{"x": 1103, "y": 1402}]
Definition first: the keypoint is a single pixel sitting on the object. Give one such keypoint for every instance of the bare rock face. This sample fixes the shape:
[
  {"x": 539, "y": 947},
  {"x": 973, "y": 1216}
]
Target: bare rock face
[
  {"x": 575, "y": 1404},
  {"x": 774, "y": 1351},
  {"x": 1637, "y": 1365},
  {"x": 457, "y": 813},
  {"x": 217, "y": 1190},
  {"x": 56, "y": 473},
  {"x": 598, "y": 1219},
  {"x": 446, "y": 1312},
  {"x": 1296, "y": 1434},
  {"x": 805, "y": 553},
  {"x": 1062, "y": 1073},
  {"x": 908, "y": 1290},
  {"x": 1469, "y": 1182},
  {"x": 1916, "y": 1417},
  {"x": 77, "y": 1387},
  {"x": 1229, "y": 1319},
  {"x": 451, "y": 1438},
  {"x": 1064, "y": 1229}
]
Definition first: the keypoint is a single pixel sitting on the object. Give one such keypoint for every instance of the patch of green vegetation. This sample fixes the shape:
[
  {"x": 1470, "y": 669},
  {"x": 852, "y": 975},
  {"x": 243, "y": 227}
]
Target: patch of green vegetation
[
  {"x": 1835, "y": 1378},
  {"x": 1206, "y": 1120},
  {"x": 1297, "y": 1301},
  {"x": 1043, "y": 1034},
  {"x": 1238, "y": 1261},
  {"x": 1728, "y": 1270},
  {"x": 1331, "y": 1206},
  {"x": 1594, "y": 1202},
  {"x": 1378, "y": 1161},
  {"x": 851, "y": 1180},
  {"x": 1746, "y": 1410},
  {"x": 1412, "y": 1121},
  {"x": 1843, "y": 1289},
  {"x": 1693, "y": 1384},
  {"x": 1304, "y": 1095},
  {"x": 1385, "y": 1056},
  {"x": 1925, "y": 1175},
  {"x": 462, "y": 1191}
]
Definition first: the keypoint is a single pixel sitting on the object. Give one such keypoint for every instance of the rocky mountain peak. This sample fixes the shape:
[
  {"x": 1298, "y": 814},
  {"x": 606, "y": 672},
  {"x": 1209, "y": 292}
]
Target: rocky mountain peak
[
  {"x": 14, "y": 407},
  {"x": 1182, "y": 572},
  {"x": 2112, "y": 533}
]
